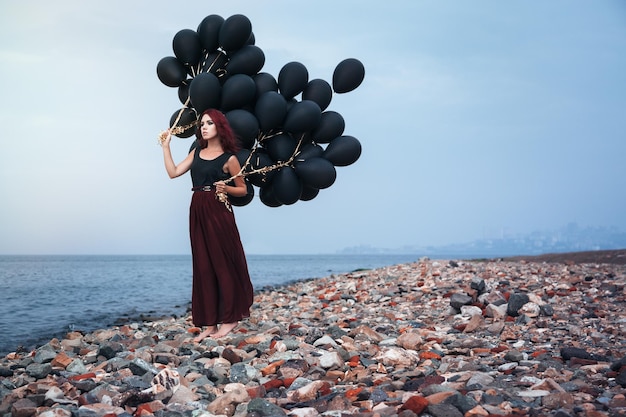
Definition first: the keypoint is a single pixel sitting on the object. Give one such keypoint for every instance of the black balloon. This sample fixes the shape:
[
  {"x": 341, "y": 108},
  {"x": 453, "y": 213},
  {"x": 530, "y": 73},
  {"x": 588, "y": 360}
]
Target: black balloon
[
  {"x": 171, "y": 72},
  {"x": 187, "y": 47},
  {"x": 318, "y": 91},
  {"x": 251, "y": 39},
  {"x": 205, "y": 92},
  {"x": 248, "y": 60},
  {"x": 188, "y": 117},
  {"x": 235, "y": 32},
  {"x": 290, "y": 103},
  {"x": 331, "y": 126},
  {"x": 209, "y": 31},
  {"x": 343, "y": 151},
  {"x": 287, "y": 186},
  {"x": 280, "y": 147},
  {"x": 268, "y": 197},
  {"x": 348, "y": 75},
  {"x": 245, "y": 126},
  {"x": 316, "y": 172},
  {"x": 243, "y": 200},
  {"x": 292, "y": 79},
  {"x": 238, "y": 91},
  {"x": 270, "y": 109},
  {"x": 309, "y": 150},
  {"x": 308, "y": 193},
  {"x": 264, "y": 82},
  {"x": 302, "y": 117}
]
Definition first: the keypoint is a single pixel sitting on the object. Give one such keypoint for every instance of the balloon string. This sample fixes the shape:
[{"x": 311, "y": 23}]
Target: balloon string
[
  {"x": 263, "y": 170},
  {"x": 214, "y": 61},
  {"x": 175, "y": 129},
  {"x": 242, "y": 172},
  {"x": 224, "y": 198},
  {"x": 200, "y": 63}
]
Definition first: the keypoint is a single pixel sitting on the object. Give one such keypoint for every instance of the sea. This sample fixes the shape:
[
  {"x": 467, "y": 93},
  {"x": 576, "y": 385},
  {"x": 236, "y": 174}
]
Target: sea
[{"x": 42, "y": 297}]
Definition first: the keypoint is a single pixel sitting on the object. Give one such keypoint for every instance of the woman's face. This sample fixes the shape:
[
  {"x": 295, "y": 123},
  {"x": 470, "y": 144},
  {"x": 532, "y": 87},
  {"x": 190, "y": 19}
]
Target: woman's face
[{"x": 207, "y": 127}]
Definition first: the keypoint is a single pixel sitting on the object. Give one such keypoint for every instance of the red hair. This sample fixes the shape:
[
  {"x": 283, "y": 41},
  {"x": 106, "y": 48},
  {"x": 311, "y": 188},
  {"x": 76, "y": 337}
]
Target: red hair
[{"x": 227, "y": 137}]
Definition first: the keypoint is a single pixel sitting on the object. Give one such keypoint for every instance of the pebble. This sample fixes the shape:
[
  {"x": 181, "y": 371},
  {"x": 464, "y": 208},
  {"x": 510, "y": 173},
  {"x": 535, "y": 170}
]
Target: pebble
[{"x": 431, "y": 338}]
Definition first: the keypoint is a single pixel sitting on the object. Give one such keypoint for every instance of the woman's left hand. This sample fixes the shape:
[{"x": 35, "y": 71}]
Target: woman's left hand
[{"x": 220, "y": 187}]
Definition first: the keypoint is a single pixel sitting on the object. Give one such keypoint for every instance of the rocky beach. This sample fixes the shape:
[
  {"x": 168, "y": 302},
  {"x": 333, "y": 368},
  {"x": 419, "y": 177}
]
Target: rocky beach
[{"x": 442, "y": 338}]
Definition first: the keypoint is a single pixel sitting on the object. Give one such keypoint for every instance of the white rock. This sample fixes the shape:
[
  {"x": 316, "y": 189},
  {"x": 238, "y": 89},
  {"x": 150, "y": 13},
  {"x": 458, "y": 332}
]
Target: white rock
[
  {"x": 530, "y": 310},
  {"x": 331, "y": 360},
  {"x": 497, "y": 312},
  {"x": 470, "y": 311},
  {"x": 56, "y": 394},
  {"x": 388, "y": 342},
  {"x": 397, "y": 357},
  {"x": 325, "y": 340},
  {"x": 304, "y": 412},
  {"x": 533, "y": 393},
  {"x": 507, "y": 366}
]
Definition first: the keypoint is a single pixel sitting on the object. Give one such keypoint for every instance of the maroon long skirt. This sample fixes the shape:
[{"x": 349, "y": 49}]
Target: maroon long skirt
[{"x": 222, "y": 291}]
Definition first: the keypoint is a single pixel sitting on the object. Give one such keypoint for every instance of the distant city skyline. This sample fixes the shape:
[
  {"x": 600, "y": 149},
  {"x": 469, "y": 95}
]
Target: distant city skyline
[{"x": 569, "y": 238}]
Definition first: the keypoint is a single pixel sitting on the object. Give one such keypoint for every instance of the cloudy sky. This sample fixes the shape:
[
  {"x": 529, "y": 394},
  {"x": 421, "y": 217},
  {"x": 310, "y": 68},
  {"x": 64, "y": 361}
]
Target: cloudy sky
[{"x": 475, "y": 118}]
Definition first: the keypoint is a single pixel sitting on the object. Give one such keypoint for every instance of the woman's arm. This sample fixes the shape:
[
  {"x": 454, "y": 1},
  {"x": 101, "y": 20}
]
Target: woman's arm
[
  {"x": 239, "y": 189},
  {"x": 172, "y": 169}
]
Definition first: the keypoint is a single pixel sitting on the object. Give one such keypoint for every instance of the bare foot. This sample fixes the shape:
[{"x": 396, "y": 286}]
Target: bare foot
[
  {"x": 206, "y": 333},
  {"x": 224, "y": 330}
]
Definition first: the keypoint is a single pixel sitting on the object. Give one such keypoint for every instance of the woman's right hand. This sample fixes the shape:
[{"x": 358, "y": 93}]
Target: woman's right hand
[{"x": 165, "y": 137}]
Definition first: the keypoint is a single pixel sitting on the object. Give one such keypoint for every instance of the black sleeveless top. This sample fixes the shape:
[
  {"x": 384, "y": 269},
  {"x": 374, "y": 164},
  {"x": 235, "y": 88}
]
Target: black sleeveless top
[{"x": 207, "y": 171}]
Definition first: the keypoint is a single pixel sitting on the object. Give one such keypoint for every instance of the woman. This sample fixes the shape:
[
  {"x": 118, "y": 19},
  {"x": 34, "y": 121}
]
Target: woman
[{"x": 222, "y": 292}]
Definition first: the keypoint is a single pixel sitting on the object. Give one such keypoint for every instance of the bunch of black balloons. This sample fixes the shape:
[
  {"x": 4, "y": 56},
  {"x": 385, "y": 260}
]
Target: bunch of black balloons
[{"x": 290, "y": 147}]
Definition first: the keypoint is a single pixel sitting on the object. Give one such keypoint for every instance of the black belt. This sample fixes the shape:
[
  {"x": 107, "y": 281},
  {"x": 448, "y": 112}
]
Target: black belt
[{"x": 202, "y": 188}]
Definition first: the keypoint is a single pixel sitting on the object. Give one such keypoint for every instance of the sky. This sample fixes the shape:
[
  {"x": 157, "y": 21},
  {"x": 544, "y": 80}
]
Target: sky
[{"x": 475, "y": 118}]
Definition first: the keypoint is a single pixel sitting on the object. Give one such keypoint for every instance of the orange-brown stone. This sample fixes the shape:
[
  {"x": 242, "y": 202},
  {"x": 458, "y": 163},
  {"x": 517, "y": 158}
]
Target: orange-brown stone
[{"x": 416, "y": 403}]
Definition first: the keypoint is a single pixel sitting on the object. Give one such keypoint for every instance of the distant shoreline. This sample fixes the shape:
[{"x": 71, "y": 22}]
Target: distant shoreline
[
  {"x": 615, "y": 257},
  {"x": 606, "y": 256}
]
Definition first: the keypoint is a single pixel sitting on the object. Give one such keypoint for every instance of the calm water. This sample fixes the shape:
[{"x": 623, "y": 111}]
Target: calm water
[{"x": 45, "y": 296}]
